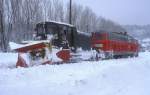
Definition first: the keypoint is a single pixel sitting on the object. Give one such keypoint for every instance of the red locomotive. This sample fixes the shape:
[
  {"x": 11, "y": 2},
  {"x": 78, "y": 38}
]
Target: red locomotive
[{"x": 114, "y": 44}]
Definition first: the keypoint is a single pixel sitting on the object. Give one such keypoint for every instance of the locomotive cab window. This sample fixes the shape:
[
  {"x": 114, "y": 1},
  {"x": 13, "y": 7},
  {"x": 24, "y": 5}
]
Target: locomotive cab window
[
  {"x": 117, "y": 37},
  {"x": 41, "y": 31},
  {"x": 99, "y": 36}
]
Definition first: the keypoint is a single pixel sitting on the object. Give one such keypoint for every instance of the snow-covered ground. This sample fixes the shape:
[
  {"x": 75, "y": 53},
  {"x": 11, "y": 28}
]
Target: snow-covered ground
[
  {"x": 108, "y": 77},
  {"x": 8, "y": 60},
  {"x": 145, "y": 43}
]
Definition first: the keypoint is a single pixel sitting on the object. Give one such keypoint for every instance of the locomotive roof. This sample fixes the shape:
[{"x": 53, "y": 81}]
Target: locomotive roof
[
  {"x": 55, "y": 23},
  {"x": 102, "y": 31},
  {"x": 118, "y": 33}
]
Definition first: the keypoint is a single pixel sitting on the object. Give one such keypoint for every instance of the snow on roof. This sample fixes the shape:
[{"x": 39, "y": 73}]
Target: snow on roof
[
  {"x": 40, "y": 41},
  {"x": 57, "y": 22},
  {"x": 14, "y": 46},
  {"x": 84, "y": 33}
]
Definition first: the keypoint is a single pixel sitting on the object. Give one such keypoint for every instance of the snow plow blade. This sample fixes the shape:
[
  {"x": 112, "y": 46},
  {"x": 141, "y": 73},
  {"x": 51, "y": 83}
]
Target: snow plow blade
[
  {"x": 64, "y": 55},
  {"x": 21, "y": 62}
]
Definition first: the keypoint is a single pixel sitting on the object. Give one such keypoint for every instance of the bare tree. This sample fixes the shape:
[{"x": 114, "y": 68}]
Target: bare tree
[
  {"x": 3, "y": 42},
  {"x": 86, "y": 19},
  {"x": 76, "y": 13},
  {"x": 17, "y": 21},
  {"x": 30, "y": 10},
  {"x": 58, "y": 10},
  {"x": 50, "y": 10}
]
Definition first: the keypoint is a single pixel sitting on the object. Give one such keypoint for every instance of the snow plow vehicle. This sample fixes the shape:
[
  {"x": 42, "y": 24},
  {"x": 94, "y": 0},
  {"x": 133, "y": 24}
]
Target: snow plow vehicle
[{"x": 53, "y": 43}]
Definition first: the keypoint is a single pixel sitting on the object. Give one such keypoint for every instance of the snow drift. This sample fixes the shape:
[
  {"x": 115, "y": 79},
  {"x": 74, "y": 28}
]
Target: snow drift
[{"x": 109, "y": 77}]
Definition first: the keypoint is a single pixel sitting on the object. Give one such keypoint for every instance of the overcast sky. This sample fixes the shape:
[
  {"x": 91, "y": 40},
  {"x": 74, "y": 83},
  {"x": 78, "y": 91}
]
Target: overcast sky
[{"x": 121, "y": 11}]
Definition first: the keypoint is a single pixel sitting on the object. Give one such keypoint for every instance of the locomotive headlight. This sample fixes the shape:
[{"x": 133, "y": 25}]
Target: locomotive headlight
[{"x": 99, "y": 45}]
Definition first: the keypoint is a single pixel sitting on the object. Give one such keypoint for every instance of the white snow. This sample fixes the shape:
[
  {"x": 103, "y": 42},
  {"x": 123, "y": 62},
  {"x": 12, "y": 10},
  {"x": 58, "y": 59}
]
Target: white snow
[
  {"x": 36, "y": 42},
  {"x": 84, "y": 33},
  {"x": 145, "y": 43},
  {"x": 129, "y": 76},
  {"x": 8, "y": 60},
  {"x": 14, "y": 46},
  {"x": 53, "y": 55},
  {"x": 146, "y": 40},
  {"x": 62, "y": 23}
]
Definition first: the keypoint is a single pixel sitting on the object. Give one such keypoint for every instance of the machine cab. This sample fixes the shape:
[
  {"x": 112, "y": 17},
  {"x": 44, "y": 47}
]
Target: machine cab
[{"x": 62, "y": 34}]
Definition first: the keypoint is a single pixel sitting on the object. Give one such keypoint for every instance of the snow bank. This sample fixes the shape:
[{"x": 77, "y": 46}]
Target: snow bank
[
  {"x": 109, "y": 77},
  {"x": 14, "y": 45},
  {"x": 146, "y": 40},
  {"x": 8, "y": 60}
]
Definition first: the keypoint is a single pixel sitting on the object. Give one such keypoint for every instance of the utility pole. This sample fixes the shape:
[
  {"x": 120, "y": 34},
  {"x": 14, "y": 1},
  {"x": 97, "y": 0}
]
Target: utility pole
[{"x": 70, "y": 12}]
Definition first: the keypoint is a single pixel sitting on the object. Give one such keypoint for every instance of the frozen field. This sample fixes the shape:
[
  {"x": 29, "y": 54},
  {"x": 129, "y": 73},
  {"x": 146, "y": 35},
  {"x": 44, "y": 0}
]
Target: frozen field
[{"x": 130, "y": 76}]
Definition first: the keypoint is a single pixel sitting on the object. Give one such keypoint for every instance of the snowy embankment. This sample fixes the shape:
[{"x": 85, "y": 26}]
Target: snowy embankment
[
  {"x": 109, "y": 77},
  {"x": 8, "y": 60}
]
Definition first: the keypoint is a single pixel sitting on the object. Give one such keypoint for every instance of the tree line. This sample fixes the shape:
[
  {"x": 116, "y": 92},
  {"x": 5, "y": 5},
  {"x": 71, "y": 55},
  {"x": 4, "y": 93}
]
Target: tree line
[{"x": 19, "y": 17}]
